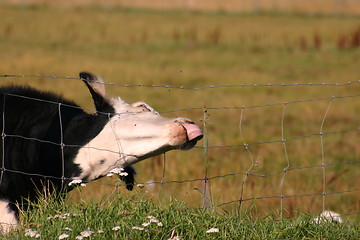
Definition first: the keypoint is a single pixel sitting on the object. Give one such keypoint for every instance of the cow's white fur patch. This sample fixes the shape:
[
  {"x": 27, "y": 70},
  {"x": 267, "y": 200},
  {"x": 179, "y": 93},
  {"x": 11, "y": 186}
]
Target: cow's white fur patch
[
  {"x": 8, "y": 218},
  {"x": 135, "y": 132}
]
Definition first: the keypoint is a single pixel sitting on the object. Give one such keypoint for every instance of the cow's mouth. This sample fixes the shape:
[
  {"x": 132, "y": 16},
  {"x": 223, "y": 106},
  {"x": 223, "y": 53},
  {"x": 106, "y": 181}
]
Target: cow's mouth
[{"x": 193, "y": 134}]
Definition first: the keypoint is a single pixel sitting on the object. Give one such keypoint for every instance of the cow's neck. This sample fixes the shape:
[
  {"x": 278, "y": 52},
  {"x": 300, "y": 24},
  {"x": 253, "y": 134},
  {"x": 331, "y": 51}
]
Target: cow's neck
[{"x": 100, "y": 155}]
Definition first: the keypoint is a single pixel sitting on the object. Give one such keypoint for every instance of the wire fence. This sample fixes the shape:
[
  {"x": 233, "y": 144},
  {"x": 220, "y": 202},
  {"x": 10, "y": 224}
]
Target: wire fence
[{"x": 244, "y": 180}]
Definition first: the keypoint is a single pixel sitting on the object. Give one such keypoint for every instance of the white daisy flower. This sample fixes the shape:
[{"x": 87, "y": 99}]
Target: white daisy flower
[
  {"x": 77, "y": 181},
  {"x": 145, "y": 224},
  {"x": 118, "y": 171},
  {"x": 63, "y": 236},
  {"x": 116, "y": 228},
  {"x": 32, "y": 233},
  {"x": 212, "y": 230},
  {"x": 86, "y": 233},
  {"x": 139, "y": 228},
  {"x": 140, "y": 185},
  {"x": 173, "y": 237},
  {"x": 328, "y": 216},
  {"x": 152, "y": 218},
  {"x": 62, "y": 216}
]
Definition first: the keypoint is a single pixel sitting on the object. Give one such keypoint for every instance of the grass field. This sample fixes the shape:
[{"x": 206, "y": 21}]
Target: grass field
[
  {"x": 196, "y": 49},
  {"x": 332, "y": 7},
  {"x": 139, "y": 218}
]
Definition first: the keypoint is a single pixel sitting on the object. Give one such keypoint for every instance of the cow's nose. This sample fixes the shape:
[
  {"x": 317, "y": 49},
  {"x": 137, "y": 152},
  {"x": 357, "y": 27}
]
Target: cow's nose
[{"x": 193, "y": 131}]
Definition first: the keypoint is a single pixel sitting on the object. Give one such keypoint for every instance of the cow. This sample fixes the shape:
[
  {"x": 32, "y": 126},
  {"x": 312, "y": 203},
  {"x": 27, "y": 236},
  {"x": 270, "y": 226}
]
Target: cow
[{"x": 49, "y": 141}]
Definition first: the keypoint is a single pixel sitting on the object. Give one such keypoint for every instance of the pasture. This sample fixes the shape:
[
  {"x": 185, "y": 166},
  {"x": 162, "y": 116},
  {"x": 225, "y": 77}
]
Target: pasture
[{"x": 197, "y": 49}]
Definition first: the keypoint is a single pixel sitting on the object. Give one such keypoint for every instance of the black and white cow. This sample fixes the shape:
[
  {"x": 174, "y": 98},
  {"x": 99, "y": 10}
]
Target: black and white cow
[{"x": 48, "y": 140}]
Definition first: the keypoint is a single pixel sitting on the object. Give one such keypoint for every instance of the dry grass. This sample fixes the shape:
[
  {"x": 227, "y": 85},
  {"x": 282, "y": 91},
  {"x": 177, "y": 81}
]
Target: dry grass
[
  {"x": 348, "y": 7},
  {"x": 199, "y": 49}
]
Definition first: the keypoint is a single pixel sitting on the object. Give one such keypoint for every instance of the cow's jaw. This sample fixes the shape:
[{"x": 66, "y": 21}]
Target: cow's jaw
[{"x": 135, "y": 133}]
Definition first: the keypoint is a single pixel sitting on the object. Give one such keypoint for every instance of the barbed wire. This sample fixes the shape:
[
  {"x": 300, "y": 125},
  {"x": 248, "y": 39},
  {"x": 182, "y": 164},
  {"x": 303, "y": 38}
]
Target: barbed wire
[
  {"x": 263, "y": 105},
  {"x": 241, "y": 85},
  {"x": 201, "y": 147},
  {"x": 141, "y": 184},
  {"x": 289, "y": 196}
]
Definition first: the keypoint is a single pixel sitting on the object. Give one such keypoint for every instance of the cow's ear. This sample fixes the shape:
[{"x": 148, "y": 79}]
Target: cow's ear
[{"x": 98, "y": 92}]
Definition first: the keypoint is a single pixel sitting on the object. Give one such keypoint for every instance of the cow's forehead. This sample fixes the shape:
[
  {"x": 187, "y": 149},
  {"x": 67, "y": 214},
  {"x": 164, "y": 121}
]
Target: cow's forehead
[{"x": 121, "y": 106}]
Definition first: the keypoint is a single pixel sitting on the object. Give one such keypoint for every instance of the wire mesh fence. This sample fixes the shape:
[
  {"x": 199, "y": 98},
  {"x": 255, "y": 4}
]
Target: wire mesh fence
[{"x": 272, "y": 156}]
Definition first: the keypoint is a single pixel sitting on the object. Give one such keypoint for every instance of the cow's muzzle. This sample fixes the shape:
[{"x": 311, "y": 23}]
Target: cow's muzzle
[{"x": 193, "y": 133}]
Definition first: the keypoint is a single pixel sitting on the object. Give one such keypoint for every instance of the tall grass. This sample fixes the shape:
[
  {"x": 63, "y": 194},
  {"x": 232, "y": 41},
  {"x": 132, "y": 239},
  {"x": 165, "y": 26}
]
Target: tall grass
[
  {"x": 129, "y": 46},
  {"x": 139, "y": 218}
]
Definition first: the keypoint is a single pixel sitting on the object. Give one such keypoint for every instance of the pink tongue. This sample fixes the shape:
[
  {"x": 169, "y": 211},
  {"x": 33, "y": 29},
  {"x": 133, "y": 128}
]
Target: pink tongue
[{"x": 193, "y": 131}]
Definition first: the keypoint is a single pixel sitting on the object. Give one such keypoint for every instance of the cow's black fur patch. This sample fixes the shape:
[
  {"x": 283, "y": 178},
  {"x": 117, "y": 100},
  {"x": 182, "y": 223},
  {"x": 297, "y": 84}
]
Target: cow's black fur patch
[{"x": 41, "y": 135}]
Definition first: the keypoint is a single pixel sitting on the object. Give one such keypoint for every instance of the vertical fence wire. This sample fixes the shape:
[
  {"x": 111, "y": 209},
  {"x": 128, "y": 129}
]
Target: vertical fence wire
[
  {"x": 164, "y": 169},
  {"x": 62, "y": 145},
  {"x": 3, "y": 135},
  {"x": 287, "y": 161},
  {"x": 323, "y": 165},
  {"x": 246, "y": 146},
  {"x": 206, "y": 191}
]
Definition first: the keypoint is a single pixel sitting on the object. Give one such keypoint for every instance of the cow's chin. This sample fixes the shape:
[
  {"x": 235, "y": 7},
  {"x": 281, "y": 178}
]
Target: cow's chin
[
  {"x": 185, "y": 146},
  {"x": 188, "y": 145}
]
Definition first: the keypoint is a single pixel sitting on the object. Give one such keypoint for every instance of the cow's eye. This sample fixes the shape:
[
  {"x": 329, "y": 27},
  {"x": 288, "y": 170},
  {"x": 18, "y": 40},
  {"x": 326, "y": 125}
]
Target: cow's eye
[{"x": 144, "y": 107}]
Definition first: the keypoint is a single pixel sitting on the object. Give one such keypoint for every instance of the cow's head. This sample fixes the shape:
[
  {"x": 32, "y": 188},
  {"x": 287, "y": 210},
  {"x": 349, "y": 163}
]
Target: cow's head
[{"x": 133, "y": 132}]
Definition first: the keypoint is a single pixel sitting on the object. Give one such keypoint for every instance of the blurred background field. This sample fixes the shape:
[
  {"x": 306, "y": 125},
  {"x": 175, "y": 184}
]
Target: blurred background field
[
  {"x": 337, "y": 7},
  {"x": 192, "y": 46}
]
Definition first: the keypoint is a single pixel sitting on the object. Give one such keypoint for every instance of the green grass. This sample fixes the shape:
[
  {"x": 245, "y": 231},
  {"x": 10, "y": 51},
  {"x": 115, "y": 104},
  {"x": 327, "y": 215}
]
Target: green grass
[
  {"x": 195, "y": 49},
  {"x": 53, "y": 218}
]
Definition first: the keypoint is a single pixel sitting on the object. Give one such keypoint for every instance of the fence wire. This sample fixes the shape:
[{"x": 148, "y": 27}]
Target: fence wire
[
  {"x": 246, "y": 146},
  {"x": 193, "y": 88}
]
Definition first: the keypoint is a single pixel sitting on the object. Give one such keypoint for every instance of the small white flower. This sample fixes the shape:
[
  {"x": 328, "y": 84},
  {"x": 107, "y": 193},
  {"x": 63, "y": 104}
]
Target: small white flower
[
  {"x": 32, "y": 233},
  {"x": 172, "y": 237},
  {"x": 62, "y": 216},
  {"x": 152, "y": 218},
  {"x": 123, "y": 174},
  {"x": 76, "y": 182},
  {"x": 79, "y": 237},
  {"x": 160, "y": 224},
  {"x": 63, "y": 236},
  {"x": 118, "y": 171},
  {"x": 100, "y": 231},
  {"x": 116, "y": 228},
  {"x": 328, "y": 216},
  {"x": 86, "y": 233},
  {"x": 145, "y": 224},
  {"x": 212, "y": 230},
  {"x": 139, "y": 228},
  {"x": 140, "y": 185},
  {"x": 67, "y": 229}
]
